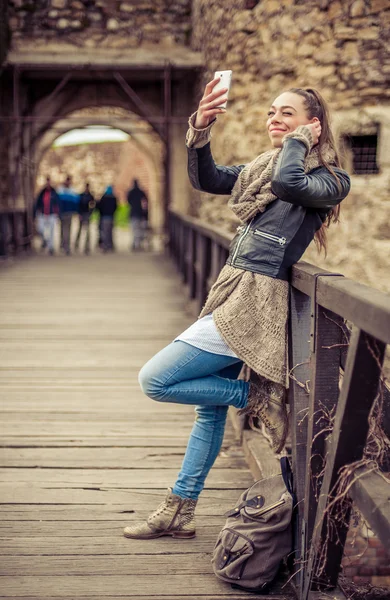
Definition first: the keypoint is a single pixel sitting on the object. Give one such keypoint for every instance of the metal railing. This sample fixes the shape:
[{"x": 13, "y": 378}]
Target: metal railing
[{"x": 338, "y": 331}]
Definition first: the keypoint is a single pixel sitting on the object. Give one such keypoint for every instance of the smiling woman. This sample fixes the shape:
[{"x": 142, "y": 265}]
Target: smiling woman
[
  {"x": 283, "y": 198},
  {"x": 284, "y": 118}
]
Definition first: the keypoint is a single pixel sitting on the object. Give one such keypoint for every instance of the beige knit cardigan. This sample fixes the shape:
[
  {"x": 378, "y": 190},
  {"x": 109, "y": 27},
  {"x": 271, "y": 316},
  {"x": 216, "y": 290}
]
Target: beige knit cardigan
[{"x": 250, "y": 310}]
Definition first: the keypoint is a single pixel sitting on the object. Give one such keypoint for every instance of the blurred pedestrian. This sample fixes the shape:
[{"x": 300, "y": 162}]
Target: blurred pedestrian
[
  {"x": 138, "y": 202},
  {"x": 107, "y": 206},
  {"x": 86, "y": 207},
  {"x": 69, "y": 205},
  {"x": 46, "y": 211}
]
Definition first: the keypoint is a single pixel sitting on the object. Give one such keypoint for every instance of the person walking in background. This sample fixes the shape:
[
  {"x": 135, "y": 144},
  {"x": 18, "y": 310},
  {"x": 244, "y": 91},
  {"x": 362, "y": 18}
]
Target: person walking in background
[
  {"x": 46, "y": 211},
  {"x": 69, "y": 205},
  {"x": 107, "y": 207},
  {"x": 86, "y": 207},
  {"x": 138, "y": 202}
]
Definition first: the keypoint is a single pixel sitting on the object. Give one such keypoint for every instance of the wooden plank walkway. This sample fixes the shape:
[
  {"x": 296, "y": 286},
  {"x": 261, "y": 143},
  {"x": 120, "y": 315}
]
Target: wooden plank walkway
[{"x": 83, "y": 451}]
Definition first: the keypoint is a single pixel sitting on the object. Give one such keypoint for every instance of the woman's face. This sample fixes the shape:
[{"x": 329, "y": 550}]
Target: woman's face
[{"x": 285, "y": 115}]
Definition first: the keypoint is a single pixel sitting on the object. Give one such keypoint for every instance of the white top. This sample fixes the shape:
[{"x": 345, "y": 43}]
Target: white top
[{"x": 203, "y": 334}]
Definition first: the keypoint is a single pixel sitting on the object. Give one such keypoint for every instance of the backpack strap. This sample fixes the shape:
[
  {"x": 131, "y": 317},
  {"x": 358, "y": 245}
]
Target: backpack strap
[
  {"x": 287, "y": 474},
  {"x": 255, "y": 502}
]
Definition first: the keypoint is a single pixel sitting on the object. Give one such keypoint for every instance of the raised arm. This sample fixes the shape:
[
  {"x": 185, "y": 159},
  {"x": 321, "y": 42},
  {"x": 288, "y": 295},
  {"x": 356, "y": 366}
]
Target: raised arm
[
  {"x": 317, "y": 189},
  {"x": 204, "y": 174},
  {"x": 207, "y": 176}
]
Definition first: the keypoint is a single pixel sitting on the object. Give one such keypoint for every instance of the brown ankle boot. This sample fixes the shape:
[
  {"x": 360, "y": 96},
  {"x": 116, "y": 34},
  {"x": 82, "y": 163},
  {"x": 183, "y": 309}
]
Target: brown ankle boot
[
  {"x": 174, "y": 517},
  {"x": 266, "y": 403}
]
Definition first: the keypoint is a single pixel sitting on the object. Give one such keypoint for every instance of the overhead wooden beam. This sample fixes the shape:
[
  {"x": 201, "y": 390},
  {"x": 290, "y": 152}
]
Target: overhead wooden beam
[
  {"x": 136, "y": 100},
  {"x": 60, "y": 85}
]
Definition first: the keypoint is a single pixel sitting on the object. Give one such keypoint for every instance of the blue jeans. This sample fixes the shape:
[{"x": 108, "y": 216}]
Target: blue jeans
[
  {"x": 107, "y": 225},
  {"x": 184, "y": 374},
  {"x": 47, "y": 222},
  {"x": 138, "y": 227}
]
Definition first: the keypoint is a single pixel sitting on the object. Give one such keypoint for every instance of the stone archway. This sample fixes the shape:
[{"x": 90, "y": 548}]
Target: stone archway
[
  {"x": 74, "y": 94},
  {"x": 46, "y": 89},
  {"x": 144, "y": 146}
]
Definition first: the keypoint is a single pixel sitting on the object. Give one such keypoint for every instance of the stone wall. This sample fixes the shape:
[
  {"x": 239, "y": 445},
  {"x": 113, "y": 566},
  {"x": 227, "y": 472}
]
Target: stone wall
[
  {"x": 98, "y": 23},
  {"x": 337, "y": 47}
]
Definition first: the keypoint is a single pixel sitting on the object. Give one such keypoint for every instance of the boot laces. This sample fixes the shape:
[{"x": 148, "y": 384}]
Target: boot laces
[{"x": 162, "y": 508}]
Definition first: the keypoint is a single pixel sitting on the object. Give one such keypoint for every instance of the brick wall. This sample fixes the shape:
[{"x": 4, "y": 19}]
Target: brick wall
[{"x": 366, "y": 560}]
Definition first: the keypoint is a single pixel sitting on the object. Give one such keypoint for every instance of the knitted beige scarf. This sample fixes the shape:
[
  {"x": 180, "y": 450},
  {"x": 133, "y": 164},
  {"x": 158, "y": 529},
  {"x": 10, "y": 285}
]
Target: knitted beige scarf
[
  {"x": 252, "y": 190},
  {"x": 250, "y": 195}
]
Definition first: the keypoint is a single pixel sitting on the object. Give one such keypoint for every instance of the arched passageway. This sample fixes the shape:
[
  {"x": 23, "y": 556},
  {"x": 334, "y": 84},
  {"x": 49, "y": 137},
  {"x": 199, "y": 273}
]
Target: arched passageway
[
  {"x": 159, "y": 98},
  {"x": 141, "y": 157}
]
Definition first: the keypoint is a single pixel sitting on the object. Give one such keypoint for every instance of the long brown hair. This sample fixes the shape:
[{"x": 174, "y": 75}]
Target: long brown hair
[{"x": 317, "y": 107}]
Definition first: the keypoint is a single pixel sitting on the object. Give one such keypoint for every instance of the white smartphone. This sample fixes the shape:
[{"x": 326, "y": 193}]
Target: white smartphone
[{"x": 225, "y": 79}]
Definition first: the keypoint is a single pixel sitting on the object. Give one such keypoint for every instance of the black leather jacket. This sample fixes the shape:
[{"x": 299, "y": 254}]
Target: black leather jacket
[{"x": 275, "y": 239}]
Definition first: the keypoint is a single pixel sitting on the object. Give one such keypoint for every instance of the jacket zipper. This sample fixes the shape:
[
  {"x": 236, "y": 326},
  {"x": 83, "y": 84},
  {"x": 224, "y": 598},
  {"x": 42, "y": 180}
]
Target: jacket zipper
[
  {"x": 245, "y": 233},
  {"x": 270, "y": 236},
  {"x": 267, "y": 509}
]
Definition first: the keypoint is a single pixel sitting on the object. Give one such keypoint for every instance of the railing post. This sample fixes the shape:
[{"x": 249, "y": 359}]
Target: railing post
[
  {"x": 201, "y": 269},
  {"x": 346, "y": 446},
  {"x": 190, "y": 260},
  {"x": 3, "y": 234},
  {"x": 299, "y": 353},
  {"x": 214, "y": 264},
  {"x": 172, "y": 235},
  {"x": 324, "y": 392},
  {"x": 326, "y": 338},
  {"x": 182, "y": 249}
]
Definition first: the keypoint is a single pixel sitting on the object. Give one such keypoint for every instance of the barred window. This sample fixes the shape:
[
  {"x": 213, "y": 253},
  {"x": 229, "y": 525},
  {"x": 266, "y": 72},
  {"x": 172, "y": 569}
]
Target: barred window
[{"x": 363, "y": 149}]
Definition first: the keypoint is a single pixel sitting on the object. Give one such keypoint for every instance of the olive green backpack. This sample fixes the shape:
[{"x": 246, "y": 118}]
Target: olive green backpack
[{"x": 257, "y": 535}]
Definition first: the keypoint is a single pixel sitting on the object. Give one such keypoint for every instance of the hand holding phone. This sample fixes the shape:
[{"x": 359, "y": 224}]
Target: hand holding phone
[
  {"x": 224, "y": 82},
  {"x": 214, "y": 99}
]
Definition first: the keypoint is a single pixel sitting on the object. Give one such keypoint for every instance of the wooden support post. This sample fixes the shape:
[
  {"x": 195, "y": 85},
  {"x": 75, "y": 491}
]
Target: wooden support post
[
  {"x": 358, "y": 393},
  {"x": 60, "y": 85},
  {"x": 16, "y": 157},
  {"x": 167, "y": 138},
  {"x": 3, "y": 235},
  {"x": 224, "y": 253},
  {"x": 324, "y": 393},
  {"x": 183, "y": 243},
  {"x": 28, "y": 181},
  {"x": 191, "y": 257},
  {"x": 202, "y": 266},
  {"x": 299, "y": 353},
  {"x": 214, "y": 264},
  {"x": 138, "y": 103},
  {"x": 173, "y": 226}
]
